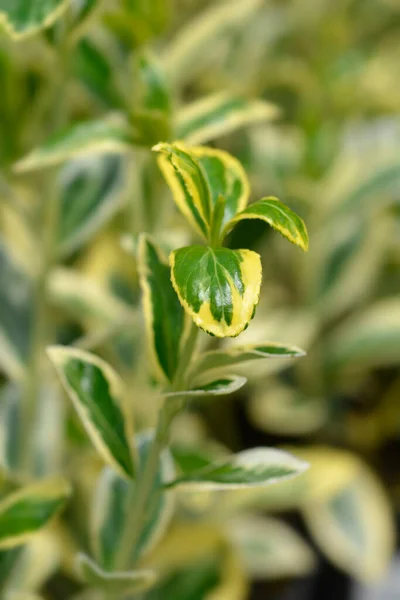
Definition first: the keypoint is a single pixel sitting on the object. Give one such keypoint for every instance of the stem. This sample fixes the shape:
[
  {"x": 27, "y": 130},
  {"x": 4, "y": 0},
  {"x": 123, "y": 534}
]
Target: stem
[
  {"x": 47, "y": 239},
  {"x": 141, "y": 490}
]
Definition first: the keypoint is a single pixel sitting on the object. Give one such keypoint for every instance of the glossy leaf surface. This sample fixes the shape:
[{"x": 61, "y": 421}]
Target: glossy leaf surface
[{"x": 219, "y": 288}]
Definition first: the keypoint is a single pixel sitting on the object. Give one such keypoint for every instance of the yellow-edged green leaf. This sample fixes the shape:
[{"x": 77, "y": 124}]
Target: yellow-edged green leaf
[
  {"x": 370, "y": 338},
  {"x": 226, "y": 177},
  {"x": 117, "y": 582},
  {"x": 104, "y": 136},
  {"x": 165, "y": 317},
  {"x": 220, "y": 114},
  {"x": 15, "y": 315},
  {"x": 354, "y": 526},
  {"x": 279, "y": 216},
  {"x": 91, "y": 191},
  {"x": 254, "y": 467},
  {"x": 97, "y": 394},
  {"x": 112, "y": 503},
  {"x": 24, "y": 512},
  {"x": 216, "y": 387},
  {"x": 227, "y": 357},
  {"x": 24, "y": 17},
  {"x": 270, "y": 549},
  {"x": 218, "y": 287},
  {"x": 188, "y": 184}
]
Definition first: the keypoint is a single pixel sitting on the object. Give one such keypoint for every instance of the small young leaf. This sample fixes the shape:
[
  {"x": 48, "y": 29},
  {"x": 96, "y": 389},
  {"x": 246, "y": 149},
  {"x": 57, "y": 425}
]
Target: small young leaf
[
  {"x": 117, "y": 582},
  {"x": 97, "y": 394},
  {"x": 110, "y": 508},
  {"x": 165, "y": 317},
  {"x": 255, "y": 467},
  {"x": 188, "y": 184},
  {"x": 217, "y": 387},
  {"x": 27, "y": 510},
  {"x": 220, "y": 114},
  {"x": 279, "y": 216},
  {"x": 24, "y": 17},
  {"x": 226, "y": 177},
  {"x": 219, "y": 288},
  {"x": 219, "y": 359},
  {"x": 110, "y": 136}
]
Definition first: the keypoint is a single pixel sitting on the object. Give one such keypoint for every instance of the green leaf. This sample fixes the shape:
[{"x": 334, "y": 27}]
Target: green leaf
[
  {"x": 24, "y": 17},
  {"x": 220, "y": 114},
  {"x": 270, "y": 549},
  {"x": 279, "y": 216},
  {"x": 24, "y": 512},
  {"x": 372, "y": 338},
  {"x": 117, "y": 582},
  {"x": 188, "y": 184},
  {"x": 112, "y": 504},
  {"x": 227, "y": 357},
  {"x": 151, "y": 89},
  {"x": 92, "y": 65},
  {"x": 91, "y": 190},
  {"x": 219, "y": 288},
  {"x": 226, "y": 177},
  {"x": 15, "y": 315},
  {"x": 255, "y": 467},
  {"x": 355, "y": 527},
  {"x": 165, "y": 318},
  {"x": 217, "y": 387},
  {"x": 104, "y": 136},
  {"x": 97, "y": 394}
]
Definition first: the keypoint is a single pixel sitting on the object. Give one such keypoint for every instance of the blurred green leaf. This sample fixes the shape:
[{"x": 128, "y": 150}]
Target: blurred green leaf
[
  {"x": 216, "y": 387},
  {"x": 26, "y": 511},
  {"x": 110, "y": 135},
  {"x": 24, "y": 17}
]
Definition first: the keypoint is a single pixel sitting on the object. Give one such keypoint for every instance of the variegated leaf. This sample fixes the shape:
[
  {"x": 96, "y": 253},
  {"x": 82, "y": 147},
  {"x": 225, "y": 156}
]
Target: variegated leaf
[
  {"x": 188, "y": 184},
  {"x": 255, "y": 467},
  {"x": 151, "y": 89},
  {"x": 112, "y": 503},
  {"x": 278, "y": 216},
  {"x": 165, "y": 317},
  {"x": 97, "y": 394},
  {"x": 219, "y": 288},
  {"x": 227, "y": 357},
  {"x": 26, "y": 511},
  {"x": 24, "y": 17},
  {"x": 216, "y": 387},
  {"x": 107, "y": 136},
  {"x": 220, "y": 114},
  {"x": 117, "y": 582}
]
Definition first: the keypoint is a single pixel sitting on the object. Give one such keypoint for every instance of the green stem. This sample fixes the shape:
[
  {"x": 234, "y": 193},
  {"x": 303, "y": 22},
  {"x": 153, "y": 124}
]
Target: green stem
[
  {"x": 47, "y": 239},
  {"x": 141, "y": 490}
]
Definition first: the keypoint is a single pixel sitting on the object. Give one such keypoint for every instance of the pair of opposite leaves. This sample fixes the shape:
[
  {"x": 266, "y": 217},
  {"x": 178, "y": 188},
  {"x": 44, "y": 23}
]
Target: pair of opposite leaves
[{"x": 218, "y": 287}]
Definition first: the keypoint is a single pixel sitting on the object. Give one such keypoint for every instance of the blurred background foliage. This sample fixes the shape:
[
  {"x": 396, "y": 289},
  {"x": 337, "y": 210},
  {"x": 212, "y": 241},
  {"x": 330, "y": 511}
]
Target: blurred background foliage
[{"x": 307, "y": 95}]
